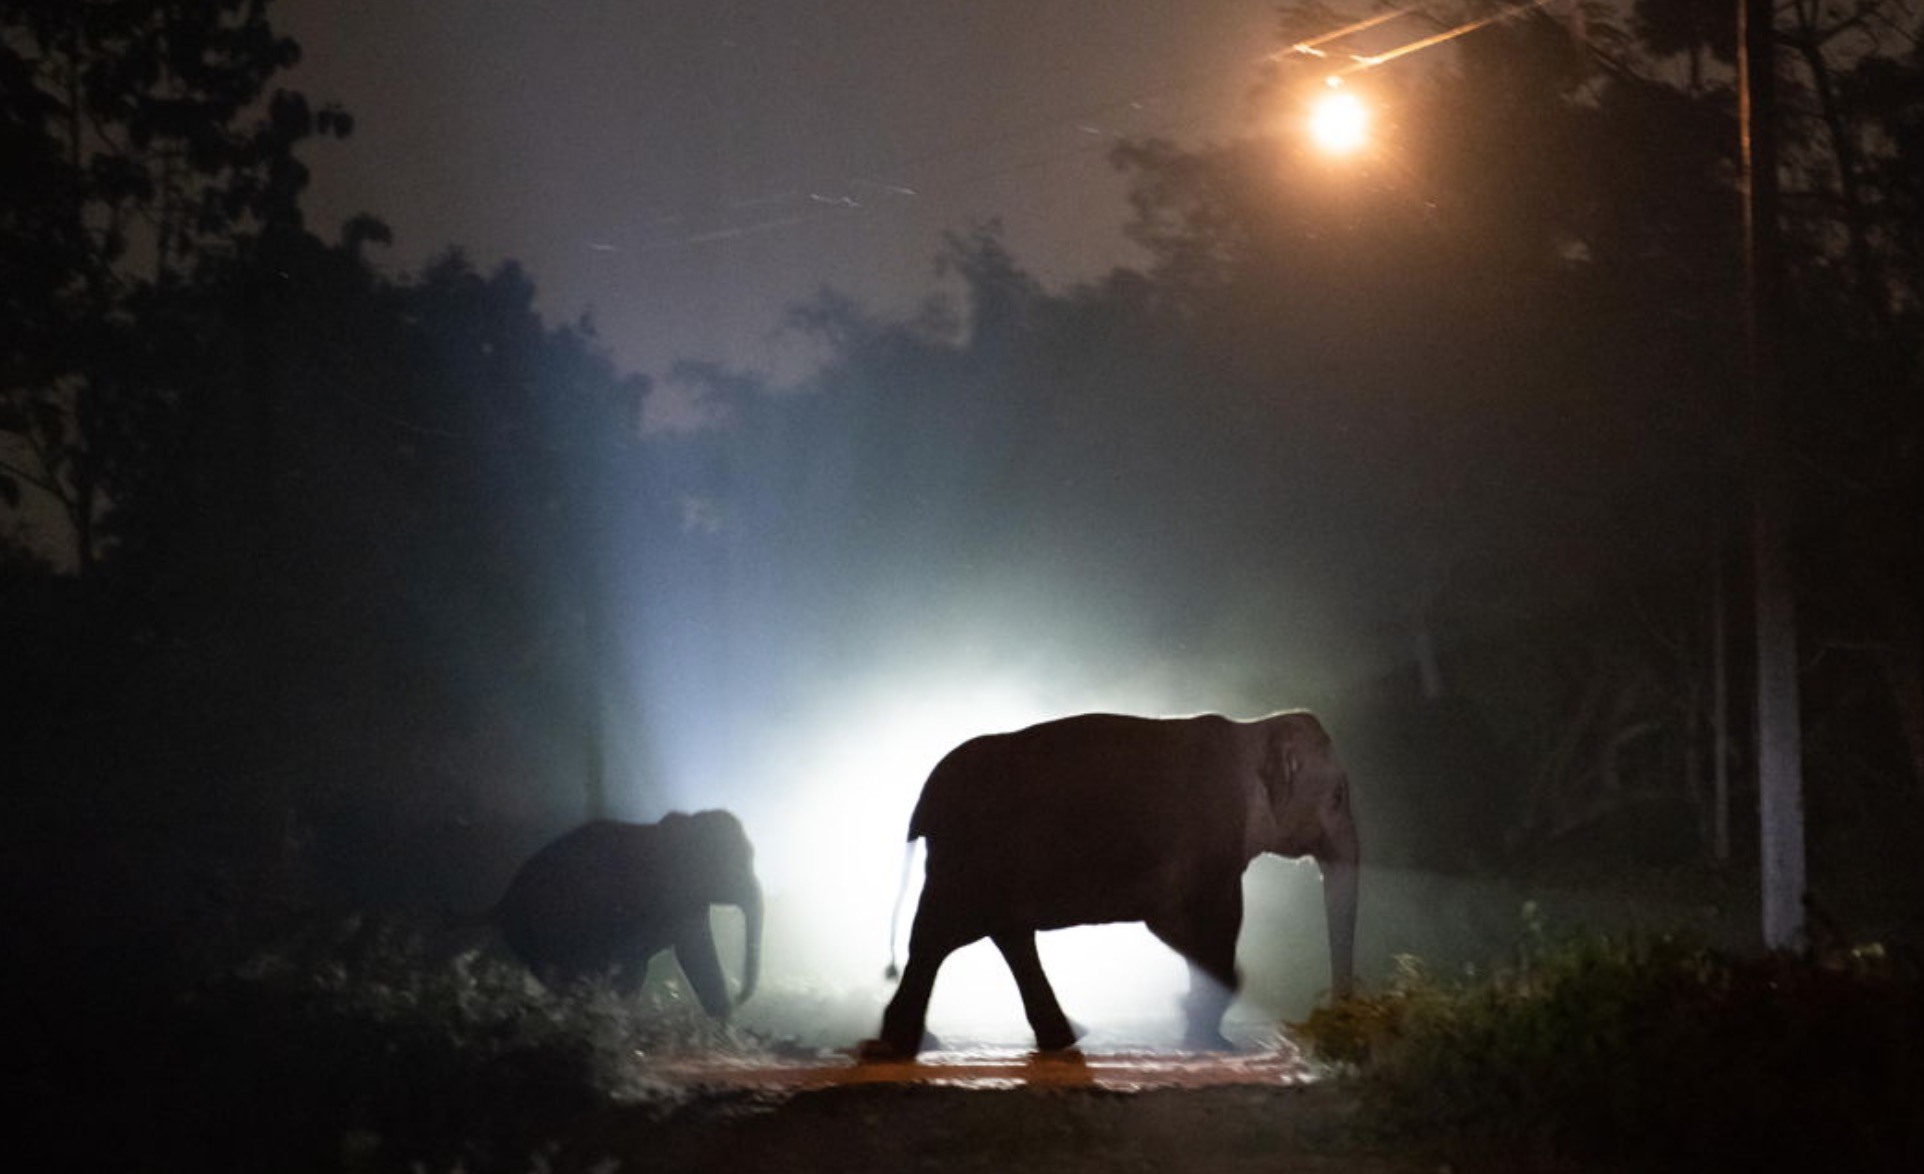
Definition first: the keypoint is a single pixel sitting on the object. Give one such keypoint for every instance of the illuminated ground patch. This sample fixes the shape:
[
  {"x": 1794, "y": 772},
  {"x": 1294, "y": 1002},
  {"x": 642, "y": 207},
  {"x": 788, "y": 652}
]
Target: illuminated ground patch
[{"x": 1000, "y": 1068}]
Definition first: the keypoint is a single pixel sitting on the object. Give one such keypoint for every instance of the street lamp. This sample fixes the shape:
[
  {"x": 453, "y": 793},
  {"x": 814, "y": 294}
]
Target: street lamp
[{"x": 1339, "y": 122}]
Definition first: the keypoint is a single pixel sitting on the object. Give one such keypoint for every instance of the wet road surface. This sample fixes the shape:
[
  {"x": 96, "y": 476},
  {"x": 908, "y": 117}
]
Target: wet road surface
[
  {"x": 999, "y": 1067},
  {"x": 1001, "y": 1108}
]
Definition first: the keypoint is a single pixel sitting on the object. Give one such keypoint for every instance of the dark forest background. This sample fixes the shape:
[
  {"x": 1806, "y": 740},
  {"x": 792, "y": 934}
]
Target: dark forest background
[{"x": 309, "y": 567}]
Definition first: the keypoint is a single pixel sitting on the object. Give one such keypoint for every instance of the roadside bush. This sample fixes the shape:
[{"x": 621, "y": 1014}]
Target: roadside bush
[
  {"x": 359, "y": 1047},
  {"x": 1653, "y": 1050}
]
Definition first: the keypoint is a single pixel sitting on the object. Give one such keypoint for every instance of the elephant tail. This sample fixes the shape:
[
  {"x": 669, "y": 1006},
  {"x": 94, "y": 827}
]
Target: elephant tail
[{"x": 895, "y": 915}]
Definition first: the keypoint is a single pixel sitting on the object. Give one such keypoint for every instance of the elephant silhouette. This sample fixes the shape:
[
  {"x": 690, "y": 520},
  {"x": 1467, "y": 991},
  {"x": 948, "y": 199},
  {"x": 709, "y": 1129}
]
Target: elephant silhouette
[
  {"x": 608, "y": 896},
  {"x": 1104, "y": 818}
]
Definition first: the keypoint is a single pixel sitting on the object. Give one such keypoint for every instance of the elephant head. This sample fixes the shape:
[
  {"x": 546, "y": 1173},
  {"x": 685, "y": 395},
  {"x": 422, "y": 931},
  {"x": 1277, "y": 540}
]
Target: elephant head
[
  {"x": 1300, "y": 806},
  {"x": 722, "y": 863}
]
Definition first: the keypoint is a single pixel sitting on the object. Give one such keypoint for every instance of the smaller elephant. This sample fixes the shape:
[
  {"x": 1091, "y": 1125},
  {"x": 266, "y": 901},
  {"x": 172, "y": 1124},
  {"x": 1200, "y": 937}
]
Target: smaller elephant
[{"x": 609, "y": 896}]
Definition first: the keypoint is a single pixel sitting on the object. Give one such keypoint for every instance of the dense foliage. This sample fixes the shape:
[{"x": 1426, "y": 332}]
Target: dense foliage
[
  {"x": 1655, "y": 1051},
  {"x": 358, "y": 1043}
]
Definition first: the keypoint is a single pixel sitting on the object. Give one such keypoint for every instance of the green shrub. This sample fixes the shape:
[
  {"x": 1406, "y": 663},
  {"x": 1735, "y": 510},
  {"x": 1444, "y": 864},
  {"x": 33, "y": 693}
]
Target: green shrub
[
  {"x": 1649, "y": 1049},
  {"x": 359, "y": 1046}
]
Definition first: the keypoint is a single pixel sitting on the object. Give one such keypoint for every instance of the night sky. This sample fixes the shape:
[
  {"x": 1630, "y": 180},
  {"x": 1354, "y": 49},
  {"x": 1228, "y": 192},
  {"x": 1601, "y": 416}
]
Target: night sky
[{"x": 687, "y": 169}]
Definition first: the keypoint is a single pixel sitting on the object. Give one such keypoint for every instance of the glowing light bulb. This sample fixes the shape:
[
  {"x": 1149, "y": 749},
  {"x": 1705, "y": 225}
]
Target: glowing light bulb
[{"x": 1339, "y": 122}]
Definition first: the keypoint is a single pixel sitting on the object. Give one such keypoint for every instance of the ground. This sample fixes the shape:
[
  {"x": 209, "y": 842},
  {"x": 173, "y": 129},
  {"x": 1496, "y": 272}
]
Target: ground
[
  {"x": 1005, "y": 1112},
  {"x": 1015, "y": 1130}
]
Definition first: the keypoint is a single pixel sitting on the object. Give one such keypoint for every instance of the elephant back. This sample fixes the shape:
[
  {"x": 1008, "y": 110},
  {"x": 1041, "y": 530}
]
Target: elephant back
[
  {"x": 1059, "y": 774},
  {"x": 602, "y": 865}
]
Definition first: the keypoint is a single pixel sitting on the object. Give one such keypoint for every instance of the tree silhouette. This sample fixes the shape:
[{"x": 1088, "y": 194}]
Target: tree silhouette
[{"x": 145, "y": 146}]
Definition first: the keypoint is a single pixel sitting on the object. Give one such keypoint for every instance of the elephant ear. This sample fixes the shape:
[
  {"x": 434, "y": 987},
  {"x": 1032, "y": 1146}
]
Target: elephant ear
[
  {"x": 1279, "y": 765},
  {"x": 1293, "y": 739}
]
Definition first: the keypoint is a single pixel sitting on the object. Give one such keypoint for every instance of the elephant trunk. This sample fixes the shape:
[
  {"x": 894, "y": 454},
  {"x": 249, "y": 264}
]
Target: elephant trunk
[
  {"x": 1341, "y": 862},
  {"x": 751, "y": 906}
]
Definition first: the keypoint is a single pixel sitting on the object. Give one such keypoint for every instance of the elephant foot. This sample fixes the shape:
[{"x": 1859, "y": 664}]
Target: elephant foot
[
  {"x": 1060, "y": 1038},
  {"x": 887, "y": 1051},
  {"x": 1198, "y": 1040},
  {"x": 880, "y": 1051},
  {"x": 1063, "y": 1060}
]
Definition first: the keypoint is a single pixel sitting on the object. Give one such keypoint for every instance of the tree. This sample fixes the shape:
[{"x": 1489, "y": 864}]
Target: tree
[
  {"x": 455, "y": 481},
  {"x": 145, "y": 146},
  {"x": 1854, "y": 96}
]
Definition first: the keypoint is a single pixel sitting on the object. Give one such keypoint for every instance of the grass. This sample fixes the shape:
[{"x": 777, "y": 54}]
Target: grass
[{"x": 1649, "y": 1050}]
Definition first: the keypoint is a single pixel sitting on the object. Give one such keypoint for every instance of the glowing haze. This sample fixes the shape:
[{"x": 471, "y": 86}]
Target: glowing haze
[
  {"x": 834, "y": 781},
  {"x": 687, "y": 170}
]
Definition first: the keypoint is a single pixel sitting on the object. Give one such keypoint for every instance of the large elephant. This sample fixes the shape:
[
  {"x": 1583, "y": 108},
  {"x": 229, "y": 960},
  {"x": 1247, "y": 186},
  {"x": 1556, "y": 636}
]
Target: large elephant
[
  {"x": 1102, "y": 818},
  {"x": 609, "y": 896}
]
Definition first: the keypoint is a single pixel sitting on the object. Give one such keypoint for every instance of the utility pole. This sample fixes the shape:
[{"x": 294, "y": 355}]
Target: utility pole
[{"x": 1779, "y": 739}]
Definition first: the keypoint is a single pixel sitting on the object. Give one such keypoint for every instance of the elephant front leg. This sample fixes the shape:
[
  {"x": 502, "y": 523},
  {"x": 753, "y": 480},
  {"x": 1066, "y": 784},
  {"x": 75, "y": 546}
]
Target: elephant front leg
[
  {"x": 1204, "y": 932},
  {"x": 1203, "y": 1010},
  {"x": 1053, "y": 1031},
  {"x": 695, "y": 950}
]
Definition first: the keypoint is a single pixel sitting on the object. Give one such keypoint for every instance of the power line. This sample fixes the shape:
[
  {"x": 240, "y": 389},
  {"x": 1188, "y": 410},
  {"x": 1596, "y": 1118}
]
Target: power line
[{"x": 902, "y": 186}]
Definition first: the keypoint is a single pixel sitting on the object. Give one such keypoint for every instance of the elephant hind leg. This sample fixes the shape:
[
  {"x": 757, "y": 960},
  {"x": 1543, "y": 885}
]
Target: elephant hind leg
[
  {"x": 1053, "y": 1031},
  {"x": 931, "y": 940}
]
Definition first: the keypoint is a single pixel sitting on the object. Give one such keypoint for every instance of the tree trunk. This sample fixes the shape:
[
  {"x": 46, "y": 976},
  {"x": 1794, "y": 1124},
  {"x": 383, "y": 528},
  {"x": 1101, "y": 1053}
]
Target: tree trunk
[
  {"x": 1720, "y": 710},
  {"x": 1779, "y": 735}
]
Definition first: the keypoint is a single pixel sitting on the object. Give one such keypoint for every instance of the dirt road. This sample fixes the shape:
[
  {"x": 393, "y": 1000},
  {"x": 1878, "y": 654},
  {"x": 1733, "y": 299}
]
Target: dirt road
[{"x": 993, "y": 1111}]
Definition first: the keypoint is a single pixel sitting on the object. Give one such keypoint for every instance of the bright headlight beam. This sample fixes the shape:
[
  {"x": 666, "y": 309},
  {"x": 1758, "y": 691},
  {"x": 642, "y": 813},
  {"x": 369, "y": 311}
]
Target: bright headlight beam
[{"x": 836, "y": 864}]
